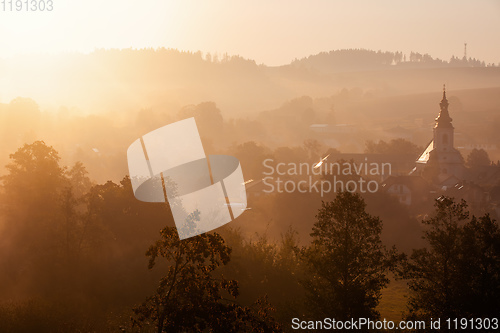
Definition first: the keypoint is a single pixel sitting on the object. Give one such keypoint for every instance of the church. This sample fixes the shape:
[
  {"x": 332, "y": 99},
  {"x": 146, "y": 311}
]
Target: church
[
  {"x": 440, "y": 157},
  {"x": 441, "y": 170}
]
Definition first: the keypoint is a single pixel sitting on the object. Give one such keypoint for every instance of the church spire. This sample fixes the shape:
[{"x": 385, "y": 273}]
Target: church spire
[{"x": 444, "y": 119}]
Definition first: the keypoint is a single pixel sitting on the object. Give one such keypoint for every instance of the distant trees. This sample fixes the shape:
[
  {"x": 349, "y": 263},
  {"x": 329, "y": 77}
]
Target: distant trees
[
  {"x": 313, "y": 147},
  {"x": 458, "y": 274},
  {"x": 350, "y": 58},
  {"x": 369, "y": 59},
  {"x": 42, "y": 209},
  {"x": 45, "y": 233},
  {"x": 348, "y": 263},
  {"x": 263, "y": 267},
  {"x": 290, "y": 122},
  {"x": 67, "y": 241},
  {"x": 208, "y": 119},
  {"x": 395, "y": 146},
  {"x": 466, "y": 62},
  {"x": 33, "y": 174},
  {"x": 251, "y": 155},
  {"x": 477, "y": 158}
]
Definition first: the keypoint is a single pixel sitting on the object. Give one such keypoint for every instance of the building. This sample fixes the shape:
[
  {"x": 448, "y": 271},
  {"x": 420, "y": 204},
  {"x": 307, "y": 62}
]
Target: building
[
  {"x": 440, "y": 155},
  {"x": 442, "y": 163},
  {"x": 410, "y": 190}
]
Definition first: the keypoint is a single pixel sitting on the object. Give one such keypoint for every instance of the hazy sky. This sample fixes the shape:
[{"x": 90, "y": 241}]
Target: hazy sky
[{"x": 273, "y": 32}]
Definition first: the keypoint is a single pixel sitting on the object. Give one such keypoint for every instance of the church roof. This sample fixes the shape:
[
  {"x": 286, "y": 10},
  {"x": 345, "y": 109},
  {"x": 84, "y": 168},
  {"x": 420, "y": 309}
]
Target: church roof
[{"x": 424, "y": 158}]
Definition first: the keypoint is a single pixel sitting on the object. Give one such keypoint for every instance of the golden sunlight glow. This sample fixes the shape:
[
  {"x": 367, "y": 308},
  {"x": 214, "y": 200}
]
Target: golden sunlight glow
[{"x": 273, "y": 33}]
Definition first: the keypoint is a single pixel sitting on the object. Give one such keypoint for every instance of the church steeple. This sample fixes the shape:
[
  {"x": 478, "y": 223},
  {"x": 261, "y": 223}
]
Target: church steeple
[
  {"x": 441, "y": 152},
  {"x": 444, "y": 119}
]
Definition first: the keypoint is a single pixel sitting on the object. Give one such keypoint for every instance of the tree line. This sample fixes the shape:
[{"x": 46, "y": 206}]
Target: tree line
[{"x": 363, "y": 59}]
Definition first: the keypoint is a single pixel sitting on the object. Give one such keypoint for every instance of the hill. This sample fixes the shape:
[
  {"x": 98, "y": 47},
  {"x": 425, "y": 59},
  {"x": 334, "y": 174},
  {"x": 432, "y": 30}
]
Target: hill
[{"x": 169, "y": 79}]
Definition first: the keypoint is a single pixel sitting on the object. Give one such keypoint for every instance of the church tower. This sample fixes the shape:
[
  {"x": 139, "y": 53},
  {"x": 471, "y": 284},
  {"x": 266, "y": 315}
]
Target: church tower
[
  {"x": 443, "y": 130},
  {"x": 441, "y": 153}
]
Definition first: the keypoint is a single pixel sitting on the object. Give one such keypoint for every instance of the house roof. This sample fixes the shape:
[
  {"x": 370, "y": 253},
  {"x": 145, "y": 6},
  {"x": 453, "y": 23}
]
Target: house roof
[
  {"x": 414, "y": 183},
  {"x": 450, "y": 181}
]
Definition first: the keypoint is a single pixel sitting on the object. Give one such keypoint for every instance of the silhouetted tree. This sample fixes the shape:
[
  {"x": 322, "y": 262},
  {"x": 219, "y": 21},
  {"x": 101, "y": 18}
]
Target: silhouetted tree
[
  {"x": 191, "y": 297},
  {"x": 480, "y": 264},
  {"x": 32, "y": 189},
  {"x": 458, "y": 274},
  {"x": 34, "y": 176},
  {"x": 263, "y": 267},
  {"x": 348, "y": 263}
]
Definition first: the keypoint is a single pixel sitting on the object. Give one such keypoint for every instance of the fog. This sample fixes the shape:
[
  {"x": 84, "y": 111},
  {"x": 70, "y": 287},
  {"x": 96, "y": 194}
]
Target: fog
[{"x": 72, "y": 235}]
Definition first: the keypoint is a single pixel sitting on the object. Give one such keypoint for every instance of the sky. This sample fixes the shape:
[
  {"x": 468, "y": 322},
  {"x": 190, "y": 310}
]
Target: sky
[{"x": 273, "y": 32}]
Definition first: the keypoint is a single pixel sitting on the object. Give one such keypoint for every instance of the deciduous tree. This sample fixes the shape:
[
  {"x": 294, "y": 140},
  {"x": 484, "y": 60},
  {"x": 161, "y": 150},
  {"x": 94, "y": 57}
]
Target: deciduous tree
[
  {"x": 348, "y": 263},
  {"x": 458, "y": 274},
  {"x": 191, "y": 297}
]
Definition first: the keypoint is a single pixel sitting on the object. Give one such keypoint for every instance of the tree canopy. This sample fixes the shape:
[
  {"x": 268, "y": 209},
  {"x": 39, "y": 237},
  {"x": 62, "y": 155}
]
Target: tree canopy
[
  {"x": 395, "y": 146},
  {"x": 458, "y": 274},
  {"x": 477, "y": 158},
  {"x": 347, "y": 260},
  {"x": 190, "y": 297}
]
